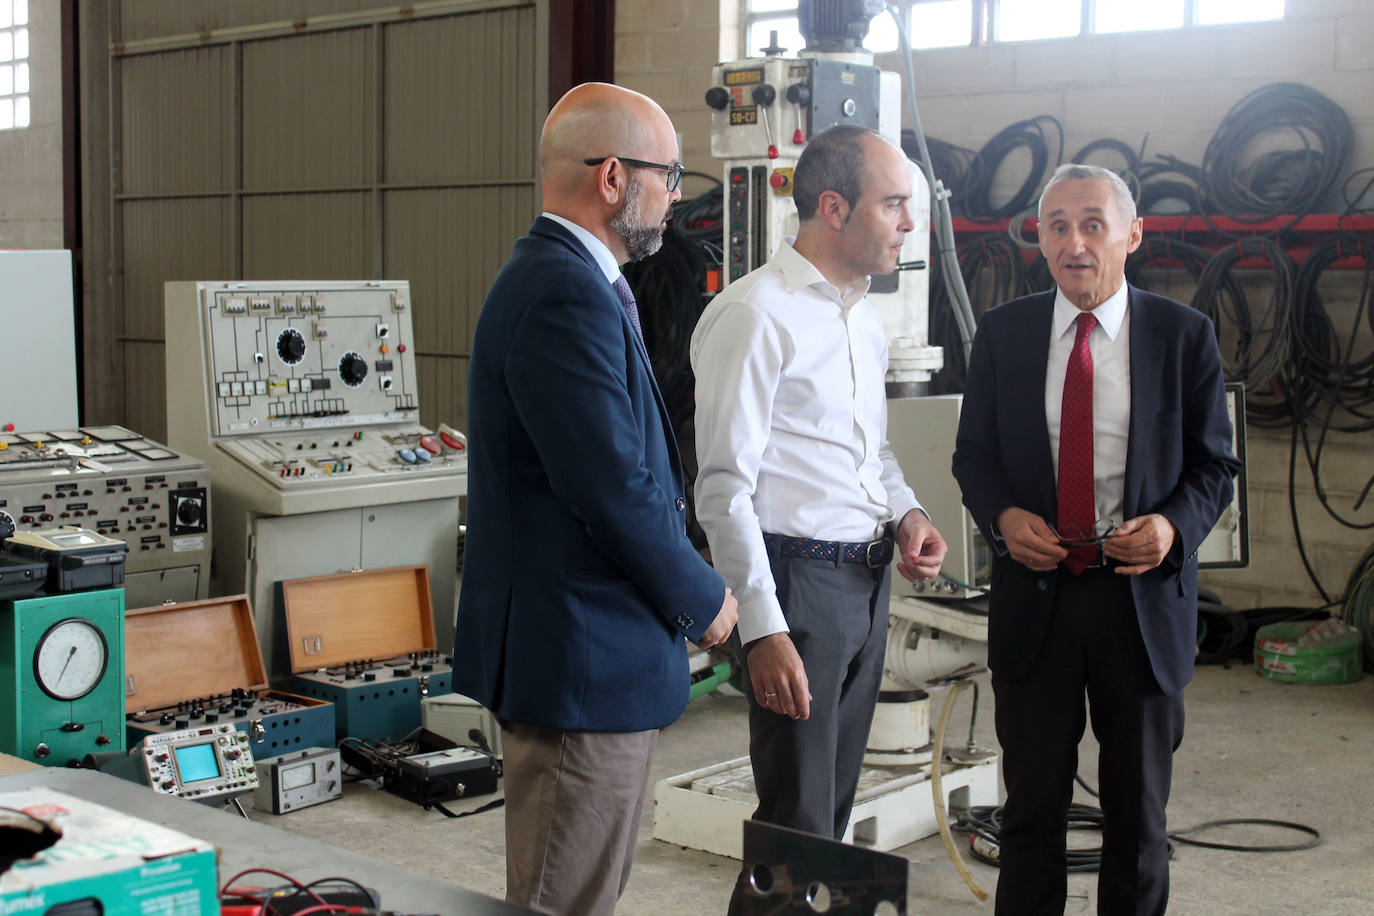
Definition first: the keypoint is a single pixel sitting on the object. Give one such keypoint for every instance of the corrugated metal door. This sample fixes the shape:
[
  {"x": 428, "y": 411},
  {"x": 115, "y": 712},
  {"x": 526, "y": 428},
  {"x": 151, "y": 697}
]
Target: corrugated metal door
[{"x": 317, "y": 140}]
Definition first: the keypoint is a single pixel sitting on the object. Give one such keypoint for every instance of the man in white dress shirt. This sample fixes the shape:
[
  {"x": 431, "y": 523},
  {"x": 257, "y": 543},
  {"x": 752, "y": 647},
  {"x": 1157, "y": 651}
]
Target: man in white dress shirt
[{"x": 799, "y": 494}]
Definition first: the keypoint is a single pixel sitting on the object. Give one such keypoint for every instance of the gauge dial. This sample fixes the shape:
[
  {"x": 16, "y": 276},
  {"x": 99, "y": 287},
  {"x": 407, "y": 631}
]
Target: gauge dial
[
  {"x": 70, "y": 659},
  {"x": 352, "y": 369},
  {"x": 291, "y": 346}
]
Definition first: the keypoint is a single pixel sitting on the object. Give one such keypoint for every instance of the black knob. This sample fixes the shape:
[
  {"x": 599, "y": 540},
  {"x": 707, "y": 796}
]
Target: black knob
[
  {"x": 188, "y": 513},
  {"x": 402, "y": 671},
  {"x": 211, "y": 718},
  {"x": 798, "y": 93},
  {"x": 165, "y": 719},
  {"x": 290, "y": 346},
  {"x": 6, "y": 524},
  {"x": 182, "y": 723},
  {"x": 764, "y": 95},
  {"x": 718, "y": 97},
  {"x": 352, "y": 369},
  {"x": 369, "y": 675}
]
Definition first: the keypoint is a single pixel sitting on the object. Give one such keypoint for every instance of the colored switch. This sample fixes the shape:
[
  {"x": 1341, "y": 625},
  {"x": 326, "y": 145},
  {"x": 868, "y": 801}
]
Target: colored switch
[
  {"x": 384, "y": 349},
  {"x": 422, "y": 455},
  {"x": 431, "y": 444},
  {"x": 407, "y": 455}
]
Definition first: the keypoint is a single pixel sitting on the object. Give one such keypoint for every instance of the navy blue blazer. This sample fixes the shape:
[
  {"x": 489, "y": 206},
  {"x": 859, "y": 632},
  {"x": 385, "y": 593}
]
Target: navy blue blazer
[
  {"x": 1179, "y": 463},
  {"x": 579, "y": 583}
]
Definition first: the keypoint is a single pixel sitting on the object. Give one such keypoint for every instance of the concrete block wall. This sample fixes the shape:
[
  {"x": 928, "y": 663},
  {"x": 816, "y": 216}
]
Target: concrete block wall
[
  {"x": 31, "y": 174},
  {"x": 666, "y": 49},
  {"x": 1168, "y": 89}
]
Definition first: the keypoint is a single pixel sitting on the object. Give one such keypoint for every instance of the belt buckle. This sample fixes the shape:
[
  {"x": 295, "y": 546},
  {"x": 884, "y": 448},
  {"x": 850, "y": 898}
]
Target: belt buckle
[{"x": 869, "y": 548}]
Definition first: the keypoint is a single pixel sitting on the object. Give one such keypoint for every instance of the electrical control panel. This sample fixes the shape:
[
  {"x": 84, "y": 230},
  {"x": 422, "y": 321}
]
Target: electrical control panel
[
  {"x": 379, "y": 698},
  {"x": 200, "y": 763},
  {"x": 764, "y": 111},
  {"x": 303, "y": 397},
  {"x": 275, "y": 722},
  {"x": 122, "y": 485}
]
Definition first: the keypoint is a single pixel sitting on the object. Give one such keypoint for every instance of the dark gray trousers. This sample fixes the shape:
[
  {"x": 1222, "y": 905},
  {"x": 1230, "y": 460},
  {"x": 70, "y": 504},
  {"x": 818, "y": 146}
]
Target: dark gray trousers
[{"x": 806, "y": 770}]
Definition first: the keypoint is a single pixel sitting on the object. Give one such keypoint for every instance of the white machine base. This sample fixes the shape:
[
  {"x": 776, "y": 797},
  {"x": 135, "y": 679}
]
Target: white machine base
[{"x": 704, "y": 809}]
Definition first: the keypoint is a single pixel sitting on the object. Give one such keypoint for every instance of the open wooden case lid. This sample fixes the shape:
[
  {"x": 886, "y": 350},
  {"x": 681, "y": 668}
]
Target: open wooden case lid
[
  {"x": 178, "y": 652},
  {"x": 376, "y": 613}
]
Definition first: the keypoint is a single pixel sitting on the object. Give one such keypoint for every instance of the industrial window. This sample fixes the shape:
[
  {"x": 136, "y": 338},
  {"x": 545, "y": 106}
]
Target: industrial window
[
  {"x": 14, "y": 64},
  {"x": 951, "y": 23}
]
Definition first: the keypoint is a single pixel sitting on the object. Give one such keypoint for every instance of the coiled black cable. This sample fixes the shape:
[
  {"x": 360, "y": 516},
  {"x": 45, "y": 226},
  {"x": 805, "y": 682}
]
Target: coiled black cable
[
  {"x": 1156, "y": 190},
  {"x": 994, "y": 272},
  {"x": 949, "y": 162},
  {"x": 1277, "y": 183},
  {"x": 982, "y": 174},
  {"x": 1260, "y": 346},
  {"x": 1326, "y": 370}
]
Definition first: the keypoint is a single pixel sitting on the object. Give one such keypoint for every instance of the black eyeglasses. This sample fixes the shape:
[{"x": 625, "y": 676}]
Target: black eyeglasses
[
  {"x": 674, "y": 171},
  {"x": 1102, "y": 531}
]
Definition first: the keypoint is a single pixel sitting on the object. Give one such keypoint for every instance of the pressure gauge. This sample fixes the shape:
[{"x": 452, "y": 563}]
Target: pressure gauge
[{"x": 70, "y": 659}]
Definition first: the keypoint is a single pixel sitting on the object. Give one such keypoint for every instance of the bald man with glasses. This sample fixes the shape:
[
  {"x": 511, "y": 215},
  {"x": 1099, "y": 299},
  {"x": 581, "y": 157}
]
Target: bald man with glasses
[{"x": 580, "y": 587}]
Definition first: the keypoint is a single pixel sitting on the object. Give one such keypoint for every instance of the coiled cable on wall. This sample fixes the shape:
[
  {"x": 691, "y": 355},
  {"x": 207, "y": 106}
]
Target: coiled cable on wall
[
  {"x": 1277, "y": 182},
  {"x": 1028, "y": 135},
  {"x": 1259, "y": 345}
]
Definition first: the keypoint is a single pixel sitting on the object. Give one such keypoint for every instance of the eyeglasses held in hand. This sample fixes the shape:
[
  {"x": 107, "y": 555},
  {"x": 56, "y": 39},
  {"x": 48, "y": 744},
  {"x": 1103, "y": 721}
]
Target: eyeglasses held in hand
[
  {"x": 674, "y": 171},
  {"x": 1101, "y": 531}
]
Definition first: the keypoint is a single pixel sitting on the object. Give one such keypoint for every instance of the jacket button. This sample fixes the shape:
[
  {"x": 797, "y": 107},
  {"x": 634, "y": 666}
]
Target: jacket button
[
  {"x": 1042, "y": 584},
  {"x": 680, "y": 503}
]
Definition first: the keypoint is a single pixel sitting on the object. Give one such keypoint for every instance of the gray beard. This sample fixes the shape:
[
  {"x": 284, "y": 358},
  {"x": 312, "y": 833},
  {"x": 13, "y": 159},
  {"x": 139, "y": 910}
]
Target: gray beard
[{"x": 640, "y": 240}]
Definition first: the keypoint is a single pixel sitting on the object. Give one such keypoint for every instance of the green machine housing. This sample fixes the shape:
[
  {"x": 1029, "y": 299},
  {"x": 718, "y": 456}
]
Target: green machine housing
[{"x": 62, "y": 676}]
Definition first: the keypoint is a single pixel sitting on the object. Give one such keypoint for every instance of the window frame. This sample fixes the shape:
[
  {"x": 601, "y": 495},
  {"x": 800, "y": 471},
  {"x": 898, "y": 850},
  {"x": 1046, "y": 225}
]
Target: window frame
[
  {"x": 983, "y": 22},
  {"x": 15, "y": 95}
]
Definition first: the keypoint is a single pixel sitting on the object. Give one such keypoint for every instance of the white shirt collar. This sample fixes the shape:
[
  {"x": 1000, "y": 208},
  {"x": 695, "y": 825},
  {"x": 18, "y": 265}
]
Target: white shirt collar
[
  {"x": 798, "y": 273},
  {"x": 595, "y": 247},
  {"x": 1109, "y": 314}
]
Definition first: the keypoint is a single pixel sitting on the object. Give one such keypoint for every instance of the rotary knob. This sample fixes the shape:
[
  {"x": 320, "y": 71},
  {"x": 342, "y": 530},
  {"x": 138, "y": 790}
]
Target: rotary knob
[
  {"x": 290, "y": 346},
  {"x": 188, "y": 513},
  {"x": 6, "y": 524},
  {"x": 352, "y": 369}
]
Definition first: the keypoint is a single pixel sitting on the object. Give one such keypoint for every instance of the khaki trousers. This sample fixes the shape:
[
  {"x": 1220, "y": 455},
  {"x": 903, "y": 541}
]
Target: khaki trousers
[{"x": 573, "y": 804}]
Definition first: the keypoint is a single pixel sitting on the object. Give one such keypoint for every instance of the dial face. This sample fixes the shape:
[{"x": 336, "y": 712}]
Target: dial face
[
  {"x": 6, "y": 524},
  {"x": 70, "y": 659},
  {"x": 297, "y": 777},
  {"x": 290, "y": 346},
  {"x": 352, "y": 369}
]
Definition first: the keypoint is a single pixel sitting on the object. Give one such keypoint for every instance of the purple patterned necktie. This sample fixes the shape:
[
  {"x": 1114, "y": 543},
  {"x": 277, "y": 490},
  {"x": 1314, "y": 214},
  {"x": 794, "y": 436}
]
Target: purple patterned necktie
[{"x": 627, "y": 299}]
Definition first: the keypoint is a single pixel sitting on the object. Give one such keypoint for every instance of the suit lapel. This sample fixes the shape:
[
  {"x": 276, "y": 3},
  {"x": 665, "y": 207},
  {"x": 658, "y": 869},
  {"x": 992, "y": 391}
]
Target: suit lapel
[
  {"x": 1147, "y": 356},
  {"x": 550, "y": 229},
  {"x": 1041, "y": 322}
]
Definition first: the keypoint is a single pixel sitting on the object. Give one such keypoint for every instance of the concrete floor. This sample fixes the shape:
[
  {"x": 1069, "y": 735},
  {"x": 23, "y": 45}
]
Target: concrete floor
[{"x": 1253, "y": 748}]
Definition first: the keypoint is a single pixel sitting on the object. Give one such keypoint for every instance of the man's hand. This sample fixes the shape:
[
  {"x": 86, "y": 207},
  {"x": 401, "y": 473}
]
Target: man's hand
[
  {"x": 1030, "y": 539},
  {"x": 920, "y": 549},
  {"x": 1140, "y": 544},
  {"x": 721, "y": 627},
  {"x": 779, "y": 677}
]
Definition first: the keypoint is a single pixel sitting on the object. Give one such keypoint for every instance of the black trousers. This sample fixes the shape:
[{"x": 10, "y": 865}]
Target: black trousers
[
  {"x": 806, "y": 771},
  {"x": 1093, "y": 648}
]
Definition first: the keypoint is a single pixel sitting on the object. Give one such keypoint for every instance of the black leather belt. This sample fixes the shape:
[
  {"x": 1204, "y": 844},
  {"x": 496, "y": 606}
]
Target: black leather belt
[{"x": 873, "y": 554}]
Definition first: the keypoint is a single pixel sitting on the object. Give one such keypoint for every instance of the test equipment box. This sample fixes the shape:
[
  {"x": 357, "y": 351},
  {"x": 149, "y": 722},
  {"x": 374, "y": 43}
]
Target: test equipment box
[
  {"x": 365, "y": 642},
  {"x": 62, "y": 676},
  {"x": 197, "y": 663},
  {"x": 83, "y": 852}
]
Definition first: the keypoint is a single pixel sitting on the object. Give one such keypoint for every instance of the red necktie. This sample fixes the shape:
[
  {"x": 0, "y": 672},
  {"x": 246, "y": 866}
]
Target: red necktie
[{"x": 1077, "y": 507}]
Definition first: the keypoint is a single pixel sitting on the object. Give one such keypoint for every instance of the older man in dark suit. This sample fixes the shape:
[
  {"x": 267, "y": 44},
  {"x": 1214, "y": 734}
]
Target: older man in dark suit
[
  {"x": 579, "y": 582},
  {"x": 1094, "y": 450}
]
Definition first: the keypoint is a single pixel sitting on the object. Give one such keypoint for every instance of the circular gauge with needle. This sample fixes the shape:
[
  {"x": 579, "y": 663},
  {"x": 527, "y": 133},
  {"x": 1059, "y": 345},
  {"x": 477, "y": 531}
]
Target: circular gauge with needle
[{"x": 70, "y": 659}]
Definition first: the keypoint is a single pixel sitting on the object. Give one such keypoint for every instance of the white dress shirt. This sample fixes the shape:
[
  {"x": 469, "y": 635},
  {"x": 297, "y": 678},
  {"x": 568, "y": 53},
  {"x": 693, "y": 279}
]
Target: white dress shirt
[
  {"x": 595, "y": 247},
  {"x": 791, "y": 425},
  {"x": 1110, "y": 344}
]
